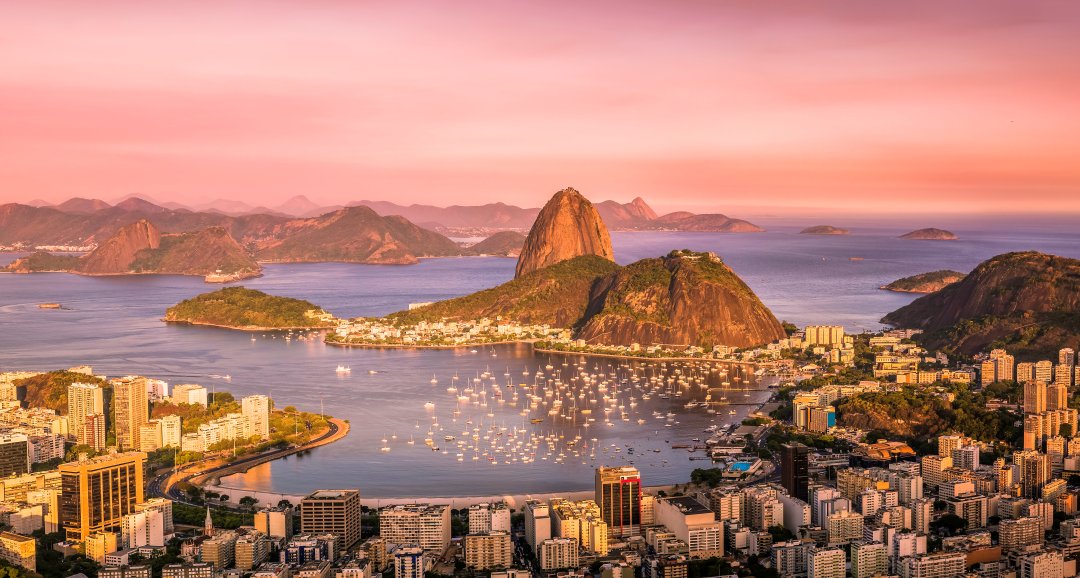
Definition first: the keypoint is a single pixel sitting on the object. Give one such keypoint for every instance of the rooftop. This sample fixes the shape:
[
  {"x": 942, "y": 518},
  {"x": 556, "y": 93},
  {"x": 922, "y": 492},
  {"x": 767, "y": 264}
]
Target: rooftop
[
  {"x": 687, "y": 505},
  {"x": 331, "y": 494}
]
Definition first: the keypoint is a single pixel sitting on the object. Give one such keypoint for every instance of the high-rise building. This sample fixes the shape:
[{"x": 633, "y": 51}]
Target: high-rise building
[
  {"x": 618, "y": 493},
  {"x": 537, "y": 523},
  {"x": 14, "y": 454},
  {"x": 1017, "y": 533},
  {"x": 795, "y": 470},
  {"x": 334, "y": 512},
  {"x": 868, "y": 559},
  {"x": 1057, "y": 396},
  {"x": 692, "y": 523},
  {"x": 252, "y": 549},
  {"x": 97, "y": 493},
  {"x": 424, "y": 524},
  {"x": 831, "y": 335},
  {"x": 581, "y": 521},
  {"x": 219, "y": 550},
  {"x": 487, "y": 517},
  {"x": 1035, "y": 397},
  {"x": 409, "y": 561},
  {"x": 1066, "y": 356},
  {"x": 1043, "y": 564},
  {"x": 937, "y": 565},
  {"x": 256, "y": 408},
  {"x": 1025, "y": 372},
  {"x": 159, "y": 505},
  {"x": 145, "y": 528},
  {"x": 489, "y": 550},
  {"x": 84, "y": 399},
  {"x": 558, "y": 553},
  {"x": 93, "y": 432},
  {"x": 275, "y": 522},
  {"x": 826, "y": 563},
  {"x": 150, "y": 436},
  {"x": 171, "y": 431},
  {"x": 190, "y": 393},
  {"x": 1044, "y": 371},
  {"x": 130, "y": 410},
  {"x": 1004, "y": 365},
  {"x": 946, "y": 444}
]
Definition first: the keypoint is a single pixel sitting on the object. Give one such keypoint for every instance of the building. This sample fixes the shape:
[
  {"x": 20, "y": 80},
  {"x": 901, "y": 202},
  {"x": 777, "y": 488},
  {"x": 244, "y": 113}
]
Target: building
[
  {"x": 868, "y": 559},
  {"x": 1043, "y": 564},
  {"x": 692, "y": 523},
  {"x": 197, "y": 570},
  {"x": 130, "y": 410},
  {"x": 142, "y": 528},
  {"x": 150, "y": 436},
  {"x": 99, "y": 545},
  {"x": 46, "y": 447},
  {"x": 486, "y": 517},
  {"x": 791, "y": 558},
  {"x": 1018, "y": 533},
  {"x": 256, "y": 408},
  {"x": 409, "y": 562},
  {"x": 334, "y": 512},
  {"x": 618, "y": 493},
  {"x": 14, "y": 454},
  {"x": 190, "y": 393},
  {"x": 125, "y": 571},
  {"x": 97, "y": 493},
  {"x": 159, "y": 505},
  {"x": 375, "y": 550},
  {"x": 307, "y": 548},
  {"x": 171, "y": 432},
  {"x": 422, "y": 524},
  {"x": 558, "y": 554},
  {"x": 581, "y": 521},
  {"x": 489, "y": 550},
  {"x": 937, "y": 565},
  {"x": 844, "y": 526},
  {"x": 275, "y": 522},
  {"x": 795, "y": 470},
  {"x": 19, "y": 550},
  {"x": 830, "y": 335},
  {"x": 94, "y": 432},
  {"x": 219, "y": 550},
  {"x": 826, "y": 563},
  {"x": 1035, "y": 397},
  {"x": 537, "y": 523},
  {"x": 84, "y": 399},
  {"x": 252, "y": 549}
]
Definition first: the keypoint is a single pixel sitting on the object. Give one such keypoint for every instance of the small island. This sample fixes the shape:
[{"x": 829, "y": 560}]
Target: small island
[
  {"x": 824, "y": 230},
  {"x": 930, "y": 234},
  {"x": 249, "y": 310},
  {"x": 924, "y": 282}
]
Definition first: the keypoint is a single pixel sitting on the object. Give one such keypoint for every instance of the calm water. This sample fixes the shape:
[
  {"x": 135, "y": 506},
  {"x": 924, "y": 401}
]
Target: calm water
[{"x": 114, "y": 325}]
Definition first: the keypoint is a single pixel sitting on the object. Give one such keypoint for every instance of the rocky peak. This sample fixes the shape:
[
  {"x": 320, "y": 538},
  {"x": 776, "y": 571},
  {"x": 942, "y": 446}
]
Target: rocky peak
[
  {"x": 118, "y": 252},
  {"x": 568, "y": 226},
  {"x": 642, "y": 209}
]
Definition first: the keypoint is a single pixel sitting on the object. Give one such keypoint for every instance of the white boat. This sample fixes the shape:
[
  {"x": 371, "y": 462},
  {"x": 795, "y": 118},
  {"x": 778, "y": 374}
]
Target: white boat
[
  {"x": 344, "y": 369},
  {"x": 434, "y": 380}
]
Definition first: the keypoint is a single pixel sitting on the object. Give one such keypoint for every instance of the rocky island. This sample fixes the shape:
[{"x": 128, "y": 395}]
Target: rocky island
[
  {"x": 503, "y": 244},
  {"x": 1028, "y": 301},
  {"x": 568, "y": 226},
  {"x": 141, "y": 249},
  {"x": 248, "y": 310},
  {"x": 930, "y": 234},
  {"x": 924, "y": 282},
  {"x": 824, "y": 230}
]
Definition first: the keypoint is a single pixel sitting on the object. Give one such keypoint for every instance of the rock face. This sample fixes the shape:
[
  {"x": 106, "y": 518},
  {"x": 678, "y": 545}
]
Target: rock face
[
  {"x": 355, "y": 235},
  {"x": 568, "y": 226},
  {"x": 117, "y": 253},
  {"x": 636, "y": 214},
  {"x": 503, "y": 243},
  {"x": 685, "y": 298},
  {"x": 1028, "y": 299},
  {"x": 924, "y": 282},
  {"x": 824, "y": 230},
  {"x": 930, "y": 234}
]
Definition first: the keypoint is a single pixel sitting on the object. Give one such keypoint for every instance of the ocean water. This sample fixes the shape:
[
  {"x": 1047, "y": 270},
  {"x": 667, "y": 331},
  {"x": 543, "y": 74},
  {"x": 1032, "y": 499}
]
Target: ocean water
[{"x": 114, "y": 325}]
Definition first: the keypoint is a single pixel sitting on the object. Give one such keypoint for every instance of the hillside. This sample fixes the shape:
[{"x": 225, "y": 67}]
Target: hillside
[
  {"x": 1028, "y": 301},
  {"x": 684, "y": 298},
  {"x": 930, "y": 234},
  {"x": 242, "y": 308},
  {"x": 567, "y": 227},
  {"x": 503, "y": 243},
  {"x": 924, "y": 282},
  {"x": 41, "y": 262},
  {"x": 49, "y": 390},
  {"x": 704, "y": 223},
  {"x": 355, "y": 235},
  {"x": 557, "y": 295},
  {"x": 824, "y": 230}
]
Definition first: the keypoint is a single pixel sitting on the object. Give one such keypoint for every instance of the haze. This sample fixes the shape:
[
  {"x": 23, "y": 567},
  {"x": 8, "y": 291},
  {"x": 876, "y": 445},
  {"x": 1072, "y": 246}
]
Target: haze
[{"x": 917, "y": 106}]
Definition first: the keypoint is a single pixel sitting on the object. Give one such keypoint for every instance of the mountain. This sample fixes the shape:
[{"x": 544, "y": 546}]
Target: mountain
[
  {"x": 633, "y": 215},
  {"x": 824, "y": 230},
  {"x": 930, "y": 234},
  {"x": 684, "y": 298},
  {"x": 227, "y": 207},
  {"x": 81, "y": 206},
  {"x": 354, "y": 235},
  {"x": 490, "y": 216},
  {"x": 117, "y": 253},
  {"x": 1029, "y": 302},
  {"x": 504, "y": 243},
  {"x": 924, "y": 282},
  {"x": 248, "y": 309},
  {"x": 301, "y": 206},
  {"x": 557, "y": 295},
  {"x": 138, "y": 205},
  {"x": 568, "y": 226},
  {"x": 704, "y": 223}
]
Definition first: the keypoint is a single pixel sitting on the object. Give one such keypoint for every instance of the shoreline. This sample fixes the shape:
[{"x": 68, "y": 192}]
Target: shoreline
[{"x": 247, "y": 328}]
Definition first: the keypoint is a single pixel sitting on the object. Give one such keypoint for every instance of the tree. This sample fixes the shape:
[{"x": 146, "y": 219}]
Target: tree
[
  {"x": 284, "y": 504},
  {"x": 248, "y": 501},
  {"x": 950, "y": 522}
]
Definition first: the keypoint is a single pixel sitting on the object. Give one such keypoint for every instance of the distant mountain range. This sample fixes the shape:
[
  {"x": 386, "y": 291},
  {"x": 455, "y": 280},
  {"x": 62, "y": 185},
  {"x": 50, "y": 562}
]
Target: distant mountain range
[{"x": 636, "y": 215}]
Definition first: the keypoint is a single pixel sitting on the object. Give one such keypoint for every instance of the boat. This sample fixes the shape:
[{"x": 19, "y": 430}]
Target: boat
[{"x": 344, "y": 369}]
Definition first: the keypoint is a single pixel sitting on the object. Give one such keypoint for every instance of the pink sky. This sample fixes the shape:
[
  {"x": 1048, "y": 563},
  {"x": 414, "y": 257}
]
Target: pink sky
[{"x": 936, "y": 106}]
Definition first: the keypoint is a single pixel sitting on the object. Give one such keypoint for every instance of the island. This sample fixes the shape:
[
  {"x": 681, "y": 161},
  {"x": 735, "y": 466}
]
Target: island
[
  {"x": 249, "y": 310},
  {"x": 824, "y": 230},
  {"x": 924, "y": 282},
  {"x": 930, "y": 234}
]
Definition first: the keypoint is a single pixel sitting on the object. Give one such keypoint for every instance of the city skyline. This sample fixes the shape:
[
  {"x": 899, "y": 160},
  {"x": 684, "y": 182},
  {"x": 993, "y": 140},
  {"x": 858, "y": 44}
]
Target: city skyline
[{"x": 709, "y": 106}]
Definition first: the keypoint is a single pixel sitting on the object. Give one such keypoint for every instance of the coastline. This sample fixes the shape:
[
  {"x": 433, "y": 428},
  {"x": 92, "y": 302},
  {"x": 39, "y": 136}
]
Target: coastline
[{"x": 248, "y": 328}]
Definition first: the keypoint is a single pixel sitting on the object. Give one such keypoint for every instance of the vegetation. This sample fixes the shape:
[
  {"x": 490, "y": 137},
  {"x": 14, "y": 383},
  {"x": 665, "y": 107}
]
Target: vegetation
[
  {"x": 242, "y": 308},
  {"x": 49, "y": 390},
  {"x": 199, "y": 252},
  {"x": 196, "y": 516},
  {"x": 53, "y": 564},
  {"x": 41, "y": 261},
  {"x": 925, "y": 282}
]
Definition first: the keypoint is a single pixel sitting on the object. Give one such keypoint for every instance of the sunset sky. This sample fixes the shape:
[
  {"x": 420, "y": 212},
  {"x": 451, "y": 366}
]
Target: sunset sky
[{"x": 712, "y": 105}]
